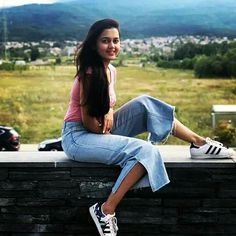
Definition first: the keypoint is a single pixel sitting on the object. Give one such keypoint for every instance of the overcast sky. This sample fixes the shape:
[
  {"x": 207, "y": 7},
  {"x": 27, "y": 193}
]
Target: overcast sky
[{"x": 6, "y": 3}]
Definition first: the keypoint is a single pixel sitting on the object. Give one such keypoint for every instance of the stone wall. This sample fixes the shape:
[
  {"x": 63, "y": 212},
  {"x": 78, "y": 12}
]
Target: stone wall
[{"x": 46, "y": 194}]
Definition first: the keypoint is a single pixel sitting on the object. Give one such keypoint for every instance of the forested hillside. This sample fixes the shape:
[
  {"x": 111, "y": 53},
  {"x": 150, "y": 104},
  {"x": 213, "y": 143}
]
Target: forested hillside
[{"x": 70, "y": 19}]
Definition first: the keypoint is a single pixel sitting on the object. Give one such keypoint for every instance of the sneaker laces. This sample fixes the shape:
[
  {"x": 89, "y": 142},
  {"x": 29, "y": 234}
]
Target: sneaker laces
[
  {"x": 112, "y": 221},
  {"x": 213, "y": 142}
]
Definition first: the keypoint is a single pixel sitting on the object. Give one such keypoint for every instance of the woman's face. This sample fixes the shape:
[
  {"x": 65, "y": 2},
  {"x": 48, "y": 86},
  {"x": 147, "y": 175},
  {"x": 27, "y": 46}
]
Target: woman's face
[{"x": 108, "y": 44}]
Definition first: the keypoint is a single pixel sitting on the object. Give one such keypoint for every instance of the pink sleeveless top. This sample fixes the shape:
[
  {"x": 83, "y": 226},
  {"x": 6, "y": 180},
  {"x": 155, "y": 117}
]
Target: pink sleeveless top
[{"x": 74, "y": 110}]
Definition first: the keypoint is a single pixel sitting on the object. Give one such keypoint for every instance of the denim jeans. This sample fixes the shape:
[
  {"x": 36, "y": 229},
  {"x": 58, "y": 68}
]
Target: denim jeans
[{"x": 141, "y": 114}]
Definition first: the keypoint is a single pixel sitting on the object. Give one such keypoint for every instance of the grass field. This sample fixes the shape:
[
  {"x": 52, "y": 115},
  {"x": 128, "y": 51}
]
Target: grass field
[{"x": 35, "y": 101}]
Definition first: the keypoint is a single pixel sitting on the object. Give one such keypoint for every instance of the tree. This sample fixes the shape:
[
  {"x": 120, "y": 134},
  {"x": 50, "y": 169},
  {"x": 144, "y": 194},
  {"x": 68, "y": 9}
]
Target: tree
[
  {"x": 216, "y": 66},
  {"x": 210, "y": 66},
  {"x": 58, "y": 61},
  {"x": 188, "y": 63},
  {"x": 188, "y": 50},
  {"x": 210, "y": 49},
  {"x": 201, "y": 66},
  {"x": 34, "y": 55},
  {"x": 230, "y": 62}
]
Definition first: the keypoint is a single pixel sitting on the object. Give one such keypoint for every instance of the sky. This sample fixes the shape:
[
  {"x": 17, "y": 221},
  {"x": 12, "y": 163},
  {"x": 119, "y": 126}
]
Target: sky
[{"x": 8, "y": 3}]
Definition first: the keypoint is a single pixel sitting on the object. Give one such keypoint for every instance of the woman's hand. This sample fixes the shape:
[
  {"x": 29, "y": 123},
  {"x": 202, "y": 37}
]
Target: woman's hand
[
  {"x": 96, "y": 125},
  {"x": 108, "y": 122}
]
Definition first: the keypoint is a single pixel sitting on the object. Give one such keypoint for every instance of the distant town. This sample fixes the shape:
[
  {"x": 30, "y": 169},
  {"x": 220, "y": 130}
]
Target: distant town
[{"x": 162, "y": 45}]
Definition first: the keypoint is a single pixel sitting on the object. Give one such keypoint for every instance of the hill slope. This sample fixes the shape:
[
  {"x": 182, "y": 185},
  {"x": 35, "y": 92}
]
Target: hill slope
[{"x": 71, "y": 19}]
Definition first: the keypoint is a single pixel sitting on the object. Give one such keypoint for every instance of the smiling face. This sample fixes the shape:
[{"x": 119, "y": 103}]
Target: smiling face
[{"x": 108, "y": 44}]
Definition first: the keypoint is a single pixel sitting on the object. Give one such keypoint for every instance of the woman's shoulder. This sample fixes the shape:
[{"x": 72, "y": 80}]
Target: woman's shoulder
[
  {"x": 113, "y": 71},
  {"x": 111, "y": 67},
  {"x": 76, "y": 81}
]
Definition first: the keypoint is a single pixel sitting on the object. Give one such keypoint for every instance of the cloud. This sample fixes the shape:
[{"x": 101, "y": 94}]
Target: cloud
[{"x": 10, "y": 3}]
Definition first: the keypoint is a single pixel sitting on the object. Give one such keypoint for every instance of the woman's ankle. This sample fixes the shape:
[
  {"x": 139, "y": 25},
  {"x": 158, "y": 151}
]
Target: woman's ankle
[
  {"x": 199, "y": 141},
  {"x": 107, "y": 209}
]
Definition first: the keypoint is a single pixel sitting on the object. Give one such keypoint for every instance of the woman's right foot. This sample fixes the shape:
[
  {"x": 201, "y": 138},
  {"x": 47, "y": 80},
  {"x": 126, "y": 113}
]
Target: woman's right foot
[
  {"x": 212, "y": 149},
  {"x": 106, "y": 224}
]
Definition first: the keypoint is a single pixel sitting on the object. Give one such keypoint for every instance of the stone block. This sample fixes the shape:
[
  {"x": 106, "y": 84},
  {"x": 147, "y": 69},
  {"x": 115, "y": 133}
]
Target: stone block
[
  {"x": 3, "y": 173},
  {"x": 199, "y": 215},
  {"x": 96, "y": 172},
  {"x": 38, "y": 174},
  {"x": 59, "y": 184},
  {"x": 227, "y": 191},
  {"x": 41, "y": 202},
  {"x": 7, "y": 201},
  {"x": 17, "y": 210},
  {"x": 17, "y": 185},
  {"x": 228, "y": 218},
  {"x": 77, "y": 229},
  {"x": 181, "y": 203},
  {"x": 95, "y": 189},
  {"x": 140, "y": 215},
  {"x": 24, "y": 219},
  {"x": 193, "y": 175},
  {"x": 198, "y": 229},
  {"x": 220, "y": 203},
  {"x": 18, "y": 193},
  {"x": 58, "y": 193},
  {"x": 185, "y": 192},
  {"x": 140, "y": 229},
  {"x": 29, "y": 228},
  {"x": 224, "y": 175},
  {"x": 64, "y": 214},
  {"x": 151, "y": 202}
]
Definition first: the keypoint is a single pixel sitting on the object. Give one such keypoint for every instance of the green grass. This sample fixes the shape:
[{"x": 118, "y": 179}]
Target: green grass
[{"x": 35, "y": 101}]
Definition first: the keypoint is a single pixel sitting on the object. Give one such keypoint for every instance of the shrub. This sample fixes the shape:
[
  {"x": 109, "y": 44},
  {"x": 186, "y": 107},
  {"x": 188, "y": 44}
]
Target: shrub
[
  {"x": 20, "y": 68},
  {"x": 212, "y": 66},
  {"x": 188, "y": 63},
  {"x": 11, "y": 66},
  {"x": 225, "y": 133},
  {"x": 169, "y": 64},
  {"x": 7, "y": 66}
]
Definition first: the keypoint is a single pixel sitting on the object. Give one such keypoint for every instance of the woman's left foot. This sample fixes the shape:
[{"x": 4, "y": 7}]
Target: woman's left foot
[
  {"x": 212, "y": 149},
  {"x": 106, "y": 224}
]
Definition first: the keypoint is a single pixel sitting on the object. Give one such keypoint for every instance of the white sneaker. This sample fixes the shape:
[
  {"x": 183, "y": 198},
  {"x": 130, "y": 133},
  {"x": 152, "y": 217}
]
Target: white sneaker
[
  {"x": 106, "y": 224},
  {"x": 212, "y": 149}
]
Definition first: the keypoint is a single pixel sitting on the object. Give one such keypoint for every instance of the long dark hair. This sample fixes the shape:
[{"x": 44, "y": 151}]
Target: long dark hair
[{"x": 95, "y": 84}]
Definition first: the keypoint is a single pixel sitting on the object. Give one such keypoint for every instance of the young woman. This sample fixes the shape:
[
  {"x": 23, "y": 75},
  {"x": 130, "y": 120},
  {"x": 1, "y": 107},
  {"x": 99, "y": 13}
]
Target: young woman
[{"x": 93, "y": 132}]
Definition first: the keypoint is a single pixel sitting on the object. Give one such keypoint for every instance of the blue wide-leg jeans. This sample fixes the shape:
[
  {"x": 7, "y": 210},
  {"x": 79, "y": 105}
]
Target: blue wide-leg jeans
[{"x": 141, "y": 114}]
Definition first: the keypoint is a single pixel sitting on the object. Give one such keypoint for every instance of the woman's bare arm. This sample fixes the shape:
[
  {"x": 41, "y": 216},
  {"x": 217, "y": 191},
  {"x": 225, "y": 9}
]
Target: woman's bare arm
[{"x": 91, "y": 123}]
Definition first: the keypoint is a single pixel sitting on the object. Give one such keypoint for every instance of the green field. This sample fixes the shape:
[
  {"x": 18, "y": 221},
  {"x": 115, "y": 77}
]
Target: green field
[{"x": 35, "y": 101}]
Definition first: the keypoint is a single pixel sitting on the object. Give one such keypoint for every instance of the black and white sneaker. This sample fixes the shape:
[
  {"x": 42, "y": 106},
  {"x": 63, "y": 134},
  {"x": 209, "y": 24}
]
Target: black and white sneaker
[
  {"x": 106, "y": 224},
  {"x": 212, "y": 149}
]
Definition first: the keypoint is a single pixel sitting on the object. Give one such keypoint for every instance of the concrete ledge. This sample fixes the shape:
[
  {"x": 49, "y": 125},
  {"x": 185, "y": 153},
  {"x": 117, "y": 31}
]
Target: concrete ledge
[
  {"x": 44, "y": 193},
  {"x": 174, "y": 156}
]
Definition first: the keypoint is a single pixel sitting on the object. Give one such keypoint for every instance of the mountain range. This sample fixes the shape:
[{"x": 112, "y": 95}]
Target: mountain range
[{"x": 70, "y": 19}]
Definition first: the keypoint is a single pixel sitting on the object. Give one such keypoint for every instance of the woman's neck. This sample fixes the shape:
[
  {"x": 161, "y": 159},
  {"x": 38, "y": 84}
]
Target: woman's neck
[{"x": 106, "y": 64}]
